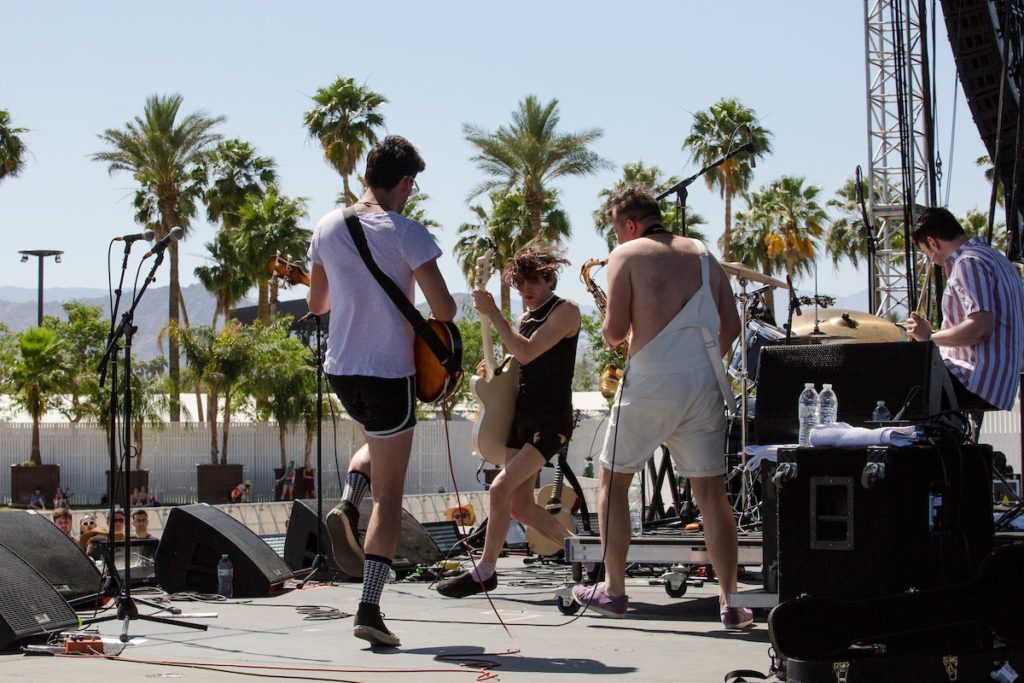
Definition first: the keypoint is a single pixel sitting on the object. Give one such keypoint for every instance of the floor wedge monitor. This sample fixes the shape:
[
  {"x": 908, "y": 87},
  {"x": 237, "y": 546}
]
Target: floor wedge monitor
[
  {"x": 29, "y": 606},
  {"x": 193, "y": 541}
]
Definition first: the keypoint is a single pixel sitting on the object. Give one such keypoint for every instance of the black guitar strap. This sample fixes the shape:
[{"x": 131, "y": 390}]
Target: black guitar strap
[{"x": 415, "y": 318}]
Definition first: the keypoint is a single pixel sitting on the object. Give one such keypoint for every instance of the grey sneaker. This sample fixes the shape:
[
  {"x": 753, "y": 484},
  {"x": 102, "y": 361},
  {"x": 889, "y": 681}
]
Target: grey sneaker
[
  {"x": 596, "y": 599},
  {"x": 346, "y": 545},
  {"x": 369, "y": 625}
]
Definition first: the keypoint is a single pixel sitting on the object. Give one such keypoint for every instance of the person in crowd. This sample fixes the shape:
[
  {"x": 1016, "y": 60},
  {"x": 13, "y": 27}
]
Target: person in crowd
[
  {"x": 545, "y": 346},
  {"x": 136, "y": 499},
  {"x": 60, "y": 500},
  {"x": 140, "y": 524},
  {"x": 308, "y": 481},
  {"x": 287, "y": 482},
  {"x": 982, "y": 334},
  {"x": 240, "y": 494},
  {"x": 672, "y": 300},
  {"x": 62, "y": 518},
  {"x": 369, "y": 360},
  {"x": 37, "y": 501}
]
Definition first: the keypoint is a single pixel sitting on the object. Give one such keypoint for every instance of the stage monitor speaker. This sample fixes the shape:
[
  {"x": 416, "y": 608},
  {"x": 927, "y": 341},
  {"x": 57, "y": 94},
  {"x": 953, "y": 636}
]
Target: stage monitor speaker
[
  {"x": 415, "y": 545},
  {"x": 29, "y": 605},
  {"x": 858, "y": 523},
  {"x": 54, "y": 554},
  {"x": 898, "y": 373},
  {"x": 193, "y": 541}
]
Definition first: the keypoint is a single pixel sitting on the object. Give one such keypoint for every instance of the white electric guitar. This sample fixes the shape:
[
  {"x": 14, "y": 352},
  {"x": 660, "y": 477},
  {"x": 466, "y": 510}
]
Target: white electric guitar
[{"x": 495, "y": 392}]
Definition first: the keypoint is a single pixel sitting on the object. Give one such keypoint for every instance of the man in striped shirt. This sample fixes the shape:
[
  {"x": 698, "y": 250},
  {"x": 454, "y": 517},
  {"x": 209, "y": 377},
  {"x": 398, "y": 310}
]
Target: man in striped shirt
[{"x": 982, "y": 334}]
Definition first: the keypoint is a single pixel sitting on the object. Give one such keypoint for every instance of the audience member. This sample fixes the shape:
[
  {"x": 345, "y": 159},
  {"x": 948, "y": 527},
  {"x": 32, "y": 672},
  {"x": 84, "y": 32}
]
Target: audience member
[
  {"x": 308, "y": 481},
  {"x": 240, "y": 494},
  {"x": 62, "y": 518},
  {"x": 147, "y": 499},
  {"x": 136, "y": 500},
  {"x": 287, "y": 482},
  {"x": 60, "y": 500},
  {"x": 38, "y": 500},
  {"x": 140, "y": 524}
]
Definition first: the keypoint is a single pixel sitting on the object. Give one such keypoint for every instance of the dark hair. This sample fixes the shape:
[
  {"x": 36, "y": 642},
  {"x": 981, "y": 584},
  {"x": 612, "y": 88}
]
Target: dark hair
[
  {"x": 634, "y": 201},
  {"x": 938, "y": 223},
  {"x": 61, "y": 512},
  {"x": 536, "y": 260},
  {"x": 391, "y": 160}
]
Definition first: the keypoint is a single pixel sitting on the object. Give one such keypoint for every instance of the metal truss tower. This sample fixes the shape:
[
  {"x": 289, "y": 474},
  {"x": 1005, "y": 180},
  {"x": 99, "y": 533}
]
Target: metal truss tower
[{"x": 899, "y": 142}]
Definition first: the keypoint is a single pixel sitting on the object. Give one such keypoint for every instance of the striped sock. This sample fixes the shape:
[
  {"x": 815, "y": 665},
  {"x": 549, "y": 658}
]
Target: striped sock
[
  {"x": 375, "y": 574},
  {"x": 356, "y": 486}
]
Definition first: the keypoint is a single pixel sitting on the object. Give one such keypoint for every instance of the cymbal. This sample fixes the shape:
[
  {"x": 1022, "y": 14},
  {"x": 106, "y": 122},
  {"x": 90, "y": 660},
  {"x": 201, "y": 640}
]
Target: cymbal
[
  {"x": 852, "y": 326},
  {"x": 741, "y": 271}
]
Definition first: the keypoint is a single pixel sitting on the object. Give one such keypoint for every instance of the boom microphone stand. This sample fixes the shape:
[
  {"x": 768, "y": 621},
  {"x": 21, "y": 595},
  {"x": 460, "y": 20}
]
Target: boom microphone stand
[
  {"x": 680, "y": 191},
  {"x": 127, "y": 610},
  {"x": 320, "y": 560}
]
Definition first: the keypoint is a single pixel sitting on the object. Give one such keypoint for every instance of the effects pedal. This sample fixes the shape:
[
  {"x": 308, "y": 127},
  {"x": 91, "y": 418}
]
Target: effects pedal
[{"x": 81, "y": 643}]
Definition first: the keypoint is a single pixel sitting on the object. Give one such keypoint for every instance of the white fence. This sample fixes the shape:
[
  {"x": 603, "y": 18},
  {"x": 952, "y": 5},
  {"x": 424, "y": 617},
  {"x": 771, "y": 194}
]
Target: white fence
[{"x": 172, "y": 452}]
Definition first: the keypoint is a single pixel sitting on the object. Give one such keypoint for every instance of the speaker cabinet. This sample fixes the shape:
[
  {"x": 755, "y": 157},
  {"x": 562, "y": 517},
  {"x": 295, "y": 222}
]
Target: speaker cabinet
[
  {"x": 52, "y": 553},
  {"x": 856, "y": 523},
  {"x": 193, "y": 540},
  {"x": 861, "y": 374},
  {"x": 29, "y": 605},
  {"x": 415, "y": 544}
]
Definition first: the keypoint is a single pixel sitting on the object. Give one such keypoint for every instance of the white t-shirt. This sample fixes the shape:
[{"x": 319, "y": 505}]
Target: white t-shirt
[{"x": 368, "y": 334}]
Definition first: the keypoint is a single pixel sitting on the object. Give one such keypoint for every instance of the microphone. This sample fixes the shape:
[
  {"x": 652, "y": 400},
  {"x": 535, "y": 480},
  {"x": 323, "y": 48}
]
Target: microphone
[
  {"x": 860, "y": 185},
  {"x": 173, "y": 236},
  {"x": 145, "y": 235},
  {"x": 750, "y": 147},
  {"x": 306, "y": 317}
]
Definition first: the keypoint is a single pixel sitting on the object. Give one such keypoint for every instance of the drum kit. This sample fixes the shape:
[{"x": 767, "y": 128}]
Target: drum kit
[{"x": 809, "y": 324}]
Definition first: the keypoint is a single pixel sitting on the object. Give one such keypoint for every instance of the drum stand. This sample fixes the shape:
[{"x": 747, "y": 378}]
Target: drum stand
[{"x": 746, "y": 385}]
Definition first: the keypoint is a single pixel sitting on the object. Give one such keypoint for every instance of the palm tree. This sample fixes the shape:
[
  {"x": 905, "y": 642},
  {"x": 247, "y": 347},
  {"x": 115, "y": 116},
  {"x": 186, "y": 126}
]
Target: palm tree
[
  {"x": 975, "y": 223},
  {"x": 225, "y": 277},
  {"x": 235, "y": 171},
  {"x": 12, "y": 149},
  {"x": 797, "y": 221},
  {"x": 750, "y": 233},
  {"x": 846, "y": 237},
  {"x": 723, "y": 128},
  {"x": 530, "y": 154},
  {"x": 990, "y": 175},
  {"x": 269, "y": 225},
  {"x": 508, "y": 227},
  {"x": 164, "y": 153},
  {"x": 37, "y": 377},
  {"x": 638, "y": 173},
  {"x": 344, "y": 121}
]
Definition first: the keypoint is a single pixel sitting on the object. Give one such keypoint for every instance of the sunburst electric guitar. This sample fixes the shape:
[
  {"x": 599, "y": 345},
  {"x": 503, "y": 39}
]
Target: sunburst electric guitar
[{"x": 495, "y": 392}]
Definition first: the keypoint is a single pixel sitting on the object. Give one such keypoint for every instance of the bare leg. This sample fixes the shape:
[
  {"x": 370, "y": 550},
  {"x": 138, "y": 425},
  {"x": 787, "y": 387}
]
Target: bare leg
[
  {"x": 392, "y": 458},
  {"x": 360, "y": 461},
  {"x": 613, "y": 519},
  {"x": 719, "y": 531},
  {"x": 525, "y": 508},
  {"x": 513, "y": 483}
]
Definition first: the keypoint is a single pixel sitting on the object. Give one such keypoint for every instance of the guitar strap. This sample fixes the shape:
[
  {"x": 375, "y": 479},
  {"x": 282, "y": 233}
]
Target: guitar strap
[{"x": 415, "y": 318}]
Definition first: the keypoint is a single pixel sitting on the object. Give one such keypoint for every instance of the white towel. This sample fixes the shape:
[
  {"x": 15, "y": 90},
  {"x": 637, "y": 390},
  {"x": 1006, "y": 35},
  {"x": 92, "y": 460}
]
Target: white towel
[
  {"x": 842, "y": 434},
  {"x": 759, "y": 454}
]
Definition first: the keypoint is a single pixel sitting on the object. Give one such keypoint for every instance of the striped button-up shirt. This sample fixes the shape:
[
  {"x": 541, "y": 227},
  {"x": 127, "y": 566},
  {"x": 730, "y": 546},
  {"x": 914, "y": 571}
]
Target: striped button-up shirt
[{"x": 982, "y": 279}]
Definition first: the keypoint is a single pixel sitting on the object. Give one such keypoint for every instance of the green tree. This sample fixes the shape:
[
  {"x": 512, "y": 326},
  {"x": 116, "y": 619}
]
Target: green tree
[
  {"x": 344, "y": 121},
  {"x": 12, "y": 147},
  {"x": 235, "y": 171},
  {"x": 270, "y": 225},
  {"x": 225, "y": 276},
  {"x": 637, "y": 172},
  {"x": 846, "y": 237},
  {"x": 797, "y": 222},
  {"x": 164, "y": 153},
  {"x": 83, "y": 340},
  {"x": 975, "y": 223},
  {"x": 530, "y": 154},
  {"x": 990, "y": 175},
  {"x": 37, "y": 377},
  {"x": 722, "y": 128}
]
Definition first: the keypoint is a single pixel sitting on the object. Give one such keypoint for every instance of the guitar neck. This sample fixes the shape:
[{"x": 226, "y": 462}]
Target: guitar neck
[{"x": 487, "y": 342}]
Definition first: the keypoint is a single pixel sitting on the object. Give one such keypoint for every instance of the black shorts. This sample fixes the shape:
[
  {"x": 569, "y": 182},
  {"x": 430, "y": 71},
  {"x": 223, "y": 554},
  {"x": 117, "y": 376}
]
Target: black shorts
[
  {"x": 547, "y": 434},
  {"x": 384, "y": 407}
]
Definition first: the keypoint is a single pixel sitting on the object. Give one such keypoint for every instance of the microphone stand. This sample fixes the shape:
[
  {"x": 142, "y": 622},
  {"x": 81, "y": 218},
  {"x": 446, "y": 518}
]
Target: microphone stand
[
  {"x": 872, "y": 243},
  {"x": 681, "y": 193},
  {"x": 127, "y": 610},
  {"x": 320, "y": 560}
]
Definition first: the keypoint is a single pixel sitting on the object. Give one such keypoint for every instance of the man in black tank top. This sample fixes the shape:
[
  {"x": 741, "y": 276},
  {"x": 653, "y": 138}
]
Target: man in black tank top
[{"x": 545, "y": 346}]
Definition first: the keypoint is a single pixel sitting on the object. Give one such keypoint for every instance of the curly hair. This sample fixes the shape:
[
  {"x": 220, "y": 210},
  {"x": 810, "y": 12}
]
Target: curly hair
[
  {"x": 391, "y": 160},
  {"x": 634, "y": 201},
  {"x": 536, "y": 260}
]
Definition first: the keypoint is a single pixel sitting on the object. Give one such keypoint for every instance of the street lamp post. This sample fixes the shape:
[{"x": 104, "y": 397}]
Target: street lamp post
[{"x": 40, "y": 254}]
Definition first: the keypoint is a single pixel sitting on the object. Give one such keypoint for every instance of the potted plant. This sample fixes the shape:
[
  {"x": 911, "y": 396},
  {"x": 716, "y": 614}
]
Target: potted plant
[{"x": 36, "y": 381}]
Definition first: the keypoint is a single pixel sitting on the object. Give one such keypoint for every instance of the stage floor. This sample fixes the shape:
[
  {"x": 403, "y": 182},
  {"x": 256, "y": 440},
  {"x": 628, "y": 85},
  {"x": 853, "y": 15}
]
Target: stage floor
[{"x": 661, "y": 639}]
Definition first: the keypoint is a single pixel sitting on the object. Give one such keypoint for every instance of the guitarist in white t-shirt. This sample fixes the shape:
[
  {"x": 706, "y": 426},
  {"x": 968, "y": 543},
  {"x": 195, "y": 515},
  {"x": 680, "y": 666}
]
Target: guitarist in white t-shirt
[
  {"x": 545, "y": 346},
  {"x": 369, "y": 359}
]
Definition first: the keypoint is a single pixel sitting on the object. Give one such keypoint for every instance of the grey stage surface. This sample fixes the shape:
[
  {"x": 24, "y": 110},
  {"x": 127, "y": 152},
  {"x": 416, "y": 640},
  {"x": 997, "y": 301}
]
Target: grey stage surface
[{"x": 662, "y": 638}]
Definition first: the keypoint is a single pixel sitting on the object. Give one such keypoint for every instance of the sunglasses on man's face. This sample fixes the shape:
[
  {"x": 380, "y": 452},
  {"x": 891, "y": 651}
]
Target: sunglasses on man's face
[
  {"x": 118, "y": 520},
  {"x": 88, "y": 522}
]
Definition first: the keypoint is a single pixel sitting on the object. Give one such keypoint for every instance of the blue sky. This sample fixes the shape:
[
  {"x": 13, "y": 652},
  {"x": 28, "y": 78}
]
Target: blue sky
[{"x": 636, "y": 70}]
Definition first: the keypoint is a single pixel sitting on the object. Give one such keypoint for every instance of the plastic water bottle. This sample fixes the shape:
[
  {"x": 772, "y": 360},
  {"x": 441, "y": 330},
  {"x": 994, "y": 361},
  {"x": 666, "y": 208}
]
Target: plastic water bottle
[
  {"x": 225, "y": 576},
  {"x": 636, "y": 507},
  {"x": 880, "y": 413},
  {"x": 828, "y": 406},
  {"x": 808, "y": 413}
]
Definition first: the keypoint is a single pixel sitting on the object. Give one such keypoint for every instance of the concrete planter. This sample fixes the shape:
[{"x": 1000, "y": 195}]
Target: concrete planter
[
  {"x": 25, "y": 479},
  {"x": 214, "y": 482}
]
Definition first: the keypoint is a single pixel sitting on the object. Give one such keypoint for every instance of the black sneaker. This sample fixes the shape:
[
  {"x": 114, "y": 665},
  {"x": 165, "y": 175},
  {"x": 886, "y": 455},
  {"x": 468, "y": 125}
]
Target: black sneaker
[
  {"x": 464, "y": 585},
  {"x": 346, "y": 545},
  {"x": 369, "y": 625}
]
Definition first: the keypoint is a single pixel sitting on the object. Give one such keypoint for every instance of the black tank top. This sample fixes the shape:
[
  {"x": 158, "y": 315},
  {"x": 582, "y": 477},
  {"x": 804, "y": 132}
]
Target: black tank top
[{"x": 545, "y": 383}]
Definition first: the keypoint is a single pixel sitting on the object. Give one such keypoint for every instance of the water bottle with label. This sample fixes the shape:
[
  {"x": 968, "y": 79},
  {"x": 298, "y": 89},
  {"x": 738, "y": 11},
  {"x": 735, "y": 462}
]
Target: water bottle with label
[
  {"x": 807, "y": 412},
  {"x": 828, "y": 406},
  {"x": 880, "y": 413},
  {"x": 636, "y": 507},
  {"x": 225, "y": 576}
]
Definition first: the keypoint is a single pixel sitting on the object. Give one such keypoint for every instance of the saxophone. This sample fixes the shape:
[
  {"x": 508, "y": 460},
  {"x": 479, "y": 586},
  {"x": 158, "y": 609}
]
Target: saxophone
[{"x": 612, "y": 373}]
